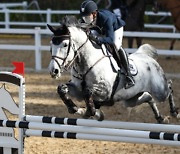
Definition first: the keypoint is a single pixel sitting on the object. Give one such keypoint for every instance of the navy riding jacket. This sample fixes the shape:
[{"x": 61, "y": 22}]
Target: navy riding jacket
[{"x": 108, "y": 22}]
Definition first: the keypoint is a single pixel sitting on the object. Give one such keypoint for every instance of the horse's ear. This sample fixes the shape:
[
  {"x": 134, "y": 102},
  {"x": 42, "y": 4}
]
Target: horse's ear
[
  {"x": 65, "y": 29},
  {"x": 52, "y": 29}
]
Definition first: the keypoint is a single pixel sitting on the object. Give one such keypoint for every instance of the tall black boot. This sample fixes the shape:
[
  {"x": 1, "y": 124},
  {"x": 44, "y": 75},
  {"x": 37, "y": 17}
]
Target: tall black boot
[{"x": 124, "y": 59}]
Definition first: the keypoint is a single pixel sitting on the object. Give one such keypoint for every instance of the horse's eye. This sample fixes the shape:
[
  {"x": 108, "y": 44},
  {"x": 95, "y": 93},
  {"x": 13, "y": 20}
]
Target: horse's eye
[{"x": 65, "y": 44}]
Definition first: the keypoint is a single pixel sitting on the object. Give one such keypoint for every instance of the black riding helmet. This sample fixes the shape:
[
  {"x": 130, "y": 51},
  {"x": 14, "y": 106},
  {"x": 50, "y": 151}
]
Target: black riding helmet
[{"x": 87, "y": 7}]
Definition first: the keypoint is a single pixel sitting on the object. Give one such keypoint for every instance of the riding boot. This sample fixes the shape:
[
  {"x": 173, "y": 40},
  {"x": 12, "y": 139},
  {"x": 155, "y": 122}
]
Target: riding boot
[{"x": 124, "y": 60}]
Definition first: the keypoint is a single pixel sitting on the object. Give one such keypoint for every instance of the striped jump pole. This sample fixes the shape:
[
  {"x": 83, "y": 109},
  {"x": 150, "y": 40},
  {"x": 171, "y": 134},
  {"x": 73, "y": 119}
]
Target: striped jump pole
[
  {"x": 69, "y": 128},
  {"x": 93, "y": 133},
  {"x": 84, "y": 136},
  {"x": 105, "y": 124},
  {"x": 91, "y": 130}
]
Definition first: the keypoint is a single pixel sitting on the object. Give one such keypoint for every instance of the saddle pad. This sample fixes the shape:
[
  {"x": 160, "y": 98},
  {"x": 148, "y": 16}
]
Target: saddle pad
[{"x": 132, "y": 67}]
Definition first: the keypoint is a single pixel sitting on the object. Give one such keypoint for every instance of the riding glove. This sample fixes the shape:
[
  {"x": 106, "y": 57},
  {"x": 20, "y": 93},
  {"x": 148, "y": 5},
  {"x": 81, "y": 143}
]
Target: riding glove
[{"x": 94, "y": 38}]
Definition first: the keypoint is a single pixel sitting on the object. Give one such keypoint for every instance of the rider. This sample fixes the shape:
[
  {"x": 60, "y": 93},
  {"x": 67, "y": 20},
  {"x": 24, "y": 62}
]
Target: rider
[{"x": 112, "y": 29}]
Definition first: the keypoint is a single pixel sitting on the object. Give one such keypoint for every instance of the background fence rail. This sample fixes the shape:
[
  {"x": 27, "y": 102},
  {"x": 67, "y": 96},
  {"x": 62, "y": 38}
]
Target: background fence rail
[
  {"x": 7, "y": 23},
  {"x": 38, "y": 47},
  {"x": 38, "y": 32}
]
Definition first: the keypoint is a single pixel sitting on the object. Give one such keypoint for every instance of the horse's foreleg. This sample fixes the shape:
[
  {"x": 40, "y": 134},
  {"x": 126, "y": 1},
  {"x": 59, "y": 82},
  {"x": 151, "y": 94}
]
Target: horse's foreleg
[
  {"x": 172, "y": 44},
  {"x": 62, "y": 90},
  {"x": 90, "y": 107},
  {"x": 130, "y": 42},
  {"x": 138, "y": 41}
]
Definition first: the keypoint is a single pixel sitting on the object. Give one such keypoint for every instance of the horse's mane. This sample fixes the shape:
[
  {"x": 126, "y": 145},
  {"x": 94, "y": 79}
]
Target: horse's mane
[
  {"x": 69, "y": 21},
  {"x": 72, "y": 21}
]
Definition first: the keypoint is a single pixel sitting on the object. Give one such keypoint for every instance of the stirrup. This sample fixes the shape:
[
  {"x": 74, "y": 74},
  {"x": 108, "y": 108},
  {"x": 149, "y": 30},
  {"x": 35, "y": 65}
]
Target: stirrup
[{"x": 129, "y": 82}]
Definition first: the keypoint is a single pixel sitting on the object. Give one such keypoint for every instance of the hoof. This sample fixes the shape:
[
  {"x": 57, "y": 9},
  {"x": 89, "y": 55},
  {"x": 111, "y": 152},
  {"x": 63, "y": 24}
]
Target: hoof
[
  {"x": 99, "y": 115},
  {"x": 72, "y": 110},
  {"x": 166, "y": 120},
  {"x": 175, "y": 113},
  {"x": 88, "y": 114},
  {"x": 80, "y": 111},
  {"x": 178, "y": 116},
  {"x": 163, "y": 119}
]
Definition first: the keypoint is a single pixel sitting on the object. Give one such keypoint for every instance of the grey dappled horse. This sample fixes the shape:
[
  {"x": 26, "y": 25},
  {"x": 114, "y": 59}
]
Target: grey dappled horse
[{"x": 96, "y": 78}]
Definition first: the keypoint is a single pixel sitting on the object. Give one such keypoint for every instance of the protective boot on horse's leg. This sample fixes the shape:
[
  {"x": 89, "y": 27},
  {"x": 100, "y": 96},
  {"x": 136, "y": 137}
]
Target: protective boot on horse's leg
[
  {"x": 122, "y": 60},
  {"x": 62, "y": 90}
]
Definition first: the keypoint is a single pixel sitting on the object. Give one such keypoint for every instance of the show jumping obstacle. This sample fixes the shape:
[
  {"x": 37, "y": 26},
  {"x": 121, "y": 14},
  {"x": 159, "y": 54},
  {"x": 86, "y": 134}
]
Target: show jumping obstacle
[{"x": 29, "y": 125}]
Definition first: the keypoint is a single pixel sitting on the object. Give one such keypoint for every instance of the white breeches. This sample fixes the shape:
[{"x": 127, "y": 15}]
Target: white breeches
[{"x": 118, "y": 36}]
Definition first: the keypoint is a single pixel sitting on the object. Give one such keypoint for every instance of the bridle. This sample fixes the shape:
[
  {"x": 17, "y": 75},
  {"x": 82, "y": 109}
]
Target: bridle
[
  {"x": 76, "y": 53},
  {"x": 55, "y": 58},
  {"x": 70, "y": 45}
]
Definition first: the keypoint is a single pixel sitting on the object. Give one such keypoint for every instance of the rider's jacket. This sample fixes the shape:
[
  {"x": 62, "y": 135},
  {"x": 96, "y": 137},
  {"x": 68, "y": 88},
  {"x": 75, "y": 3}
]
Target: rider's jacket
[{"x": 108, "y": 22}]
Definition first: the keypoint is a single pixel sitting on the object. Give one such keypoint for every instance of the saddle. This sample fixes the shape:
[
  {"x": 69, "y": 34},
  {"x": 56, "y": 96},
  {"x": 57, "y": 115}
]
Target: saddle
[{"x": 132, "y": 67}]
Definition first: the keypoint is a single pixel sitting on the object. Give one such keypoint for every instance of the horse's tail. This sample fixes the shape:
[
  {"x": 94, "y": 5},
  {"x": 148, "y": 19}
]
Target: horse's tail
[{"x": 148, "y": 50}]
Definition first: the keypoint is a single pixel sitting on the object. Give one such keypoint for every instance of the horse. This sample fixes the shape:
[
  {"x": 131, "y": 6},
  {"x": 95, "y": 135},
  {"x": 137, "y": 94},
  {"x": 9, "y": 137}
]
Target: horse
[
  {"x": 96, "y": 78},
  {"x": 174, "y": 8},
  {"x": 135, "y": 18}
]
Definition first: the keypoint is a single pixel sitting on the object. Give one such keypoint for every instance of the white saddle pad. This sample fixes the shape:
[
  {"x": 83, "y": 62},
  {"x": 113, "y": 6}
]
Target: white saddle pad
[{"x": 132, "y": 67}]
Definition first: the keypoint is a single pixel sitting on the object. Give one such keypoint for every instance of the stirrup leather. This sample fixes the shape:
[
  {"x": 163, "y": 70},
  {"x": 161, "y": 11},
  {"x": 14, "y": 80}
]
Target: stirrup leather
[{"x": 129, "y": 82}]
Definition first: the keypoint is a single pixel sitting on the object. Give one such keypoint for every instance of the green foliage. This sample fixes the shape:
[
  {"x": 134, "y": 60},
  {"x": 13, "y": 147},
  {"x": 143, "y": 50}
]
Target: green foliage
[{"x": 63, "y": 5}]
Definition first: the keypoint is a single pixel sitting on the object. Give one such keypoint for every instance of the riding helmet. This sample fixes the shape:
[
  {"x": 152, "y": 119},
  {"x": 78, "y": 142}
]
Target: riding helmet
[{"x": 87, "y": 7}]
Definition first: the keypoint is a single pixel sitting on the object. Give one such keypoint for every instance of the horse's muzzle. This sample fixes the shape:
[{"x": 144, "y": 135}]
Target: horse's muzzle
[{"x": 55, "y": 73}]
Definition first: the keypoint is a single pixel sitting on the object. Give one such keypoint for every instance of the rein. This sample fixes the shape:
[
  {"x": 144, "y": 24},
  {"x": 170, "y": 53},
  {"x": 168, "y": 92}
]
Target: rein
[
  {"x": 83, "y": 76},
  {"x": 75, "y": 55},
  {"x": 57, "y": 57}
]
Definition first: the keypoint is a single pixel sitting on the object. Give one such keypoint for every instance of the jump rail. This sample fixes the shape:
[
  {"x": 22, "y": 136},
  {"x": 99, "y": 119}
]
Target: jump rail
[
  {"x": 93, "y": 130},
  {"x": 83, "y": 136},
  {"x": 29, "y": 125},
  {"x": 104, "y": 123}
]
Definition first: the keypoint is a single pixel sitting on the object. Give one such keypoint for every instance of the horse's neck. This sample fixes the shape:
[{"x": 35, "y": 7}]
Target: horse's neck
[
  {"x": 172, "y": 6},
  {"x": 91, "y": 53},
  {"x": 88, "y": 57}
]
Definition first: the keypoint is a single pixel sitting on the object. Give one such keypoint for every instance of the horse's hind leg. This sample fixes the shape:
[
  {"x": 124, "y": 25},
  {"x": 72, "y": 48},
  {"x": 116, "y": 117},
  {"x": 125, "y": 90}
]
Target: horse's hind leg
[
  {"x": 173, "y": 109},
  {"x": 146, "y": 97},
  {"x": 158, "y": 116}
]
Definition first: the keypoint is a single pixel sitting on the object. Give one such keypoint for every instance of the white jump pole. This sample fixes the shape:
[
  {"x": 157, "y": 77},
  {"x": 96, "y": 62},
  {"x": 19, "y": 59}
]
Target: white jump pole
[
  {"x": 83, "y": 136},
  {"x": 91, "y": 130},
  {"x": 105, "y": 124},
  {"x": 84, "y": 129}
]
